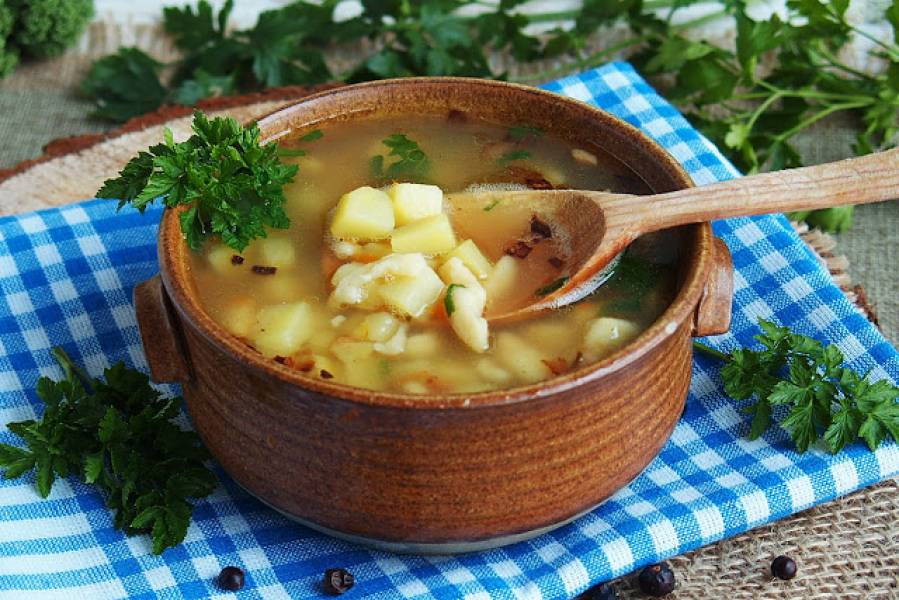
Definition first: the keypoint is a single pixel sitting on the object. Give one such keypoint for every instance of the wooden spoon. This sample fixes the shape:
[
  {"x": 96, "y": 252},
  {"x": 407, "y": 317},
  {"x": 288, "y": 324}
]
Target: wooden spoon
[{"x": 599, "y": 225}]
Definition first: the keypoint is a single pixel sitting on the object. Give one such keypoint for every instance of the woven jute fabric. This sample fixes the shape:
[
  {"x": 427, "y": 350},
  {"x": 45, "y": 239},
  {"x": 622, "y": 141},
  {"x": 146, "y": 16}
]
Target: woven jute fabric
[{"x": 848, "y": 548}]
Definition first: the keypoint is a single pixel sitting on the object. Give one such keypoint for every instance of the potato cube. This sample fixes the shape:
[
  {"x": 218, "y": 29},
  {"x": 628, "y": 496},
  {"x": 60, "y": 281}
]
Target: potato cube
[
  {"x": 239, "y": 316},
  {"x": 367, "y": 373},
  {"x": 490, "y": 370},
  {"x": 396, "y": 344},
  {"x": 325, "y": 363},
  {"x": 521, "y": 358},
  {"x": 466, "y": 319},
  {"x": 412, "y": 295},
  {"x": 352, "y": 352},
  {"x": 423, "y": 344},
  {"x": 605, "y": 334},
  {"x": 219, "y": 256},
  {"x": 431, "y": 235},
  {"x": 276, "y": 252},
  {"x": 363, "y": 214},
  {"x": 414, "y": 201},
  {"x": 471, "y": 256},
  {"x": 282, "y": 329},
  {"x": 503, "y": 278},
  {"x": 378, "y": 327}
]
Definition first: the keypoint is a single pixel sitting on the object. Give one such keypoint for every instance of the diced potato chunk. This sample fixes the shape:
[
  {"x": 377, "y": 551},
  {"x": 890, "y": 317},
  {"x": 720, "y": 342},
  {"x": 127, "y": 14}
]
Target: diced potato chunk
[
  {"x": 466, "y": 319},
  {"x": 325, "y": 363},
  {"x": 239, "y": 317},
  {"x": 605, "y": 334},
  {"x": 431, "y": 235},
  {"x": 395, "y": 345},
  {"x": 422, "y": 345},
  {"x": 454, "y": 271},
  {"x": 276, "y": 252},
  {"x": 502, "y": 279},
  {"x": 321, "y": 339},
  {"x": 521, "y": 358},
  {"x": 220, "y": 259},
  {"x": 491, "y": 370},
  {"x": 283, "y": 329},
  {"x": 363, "y": 214},
  {"x": 469, "y": 253},
  {"x": 412, "y": 295},
  {"x": 350, "y": 351},
  {"x": 378, "y": 327},
  {"x": 368, "y": 373},
  {"x": 414, "y": 201}
]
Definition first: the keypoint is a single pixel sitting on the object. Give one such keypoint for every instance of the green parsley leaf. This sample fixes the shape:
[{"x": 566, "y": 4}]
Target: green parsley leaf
[
  {"x": 410, "y": 164},
  {"x": 125, "y": 84},
  {"x": 119, "y": 436},
  {"x": 448, "y": 302},
  {"x": 232, "y": 185},
  {"x": 313, "y": 135},
  {"x": 824, "y": 399}
]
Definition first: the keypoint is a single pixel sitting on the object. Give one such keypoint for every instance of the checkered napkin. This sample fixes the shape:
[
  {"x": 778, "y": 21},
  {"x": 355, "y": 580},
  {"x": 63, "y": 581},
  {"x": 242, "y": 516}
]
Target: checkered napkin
[{"x": 66, "y": 277}]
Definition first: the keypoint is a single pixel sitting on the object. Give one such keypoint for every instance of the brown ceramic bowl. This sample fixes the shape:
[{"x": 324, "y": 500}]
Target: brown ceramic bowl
[{"x": 444, "y": 473}]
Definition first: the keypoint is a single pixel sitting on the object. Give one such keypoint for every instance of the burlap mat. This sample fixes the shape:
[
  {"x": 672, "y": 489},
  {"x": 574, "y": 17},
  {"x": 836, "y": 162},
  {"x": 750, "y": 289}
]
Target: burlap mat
[{"x": 847, "y": 548}]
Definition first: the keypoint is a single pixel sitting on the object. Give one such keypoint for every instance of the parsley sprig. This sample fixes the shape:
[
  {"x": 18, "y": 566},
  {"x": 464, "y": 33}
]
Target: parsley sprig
[
  {"x": 119, "y": 436},
  {"x": 824, "y": 399},
  {"x": 233, "y": 185},
  {"x": 404, "y": 162}
]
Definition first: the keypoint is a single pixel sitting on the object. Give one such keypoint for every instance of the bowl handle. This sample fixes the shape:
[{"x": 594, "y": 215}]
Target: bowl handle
[
  {"x": 714, "y": 310},
  {"x": 160, "y": 333}
]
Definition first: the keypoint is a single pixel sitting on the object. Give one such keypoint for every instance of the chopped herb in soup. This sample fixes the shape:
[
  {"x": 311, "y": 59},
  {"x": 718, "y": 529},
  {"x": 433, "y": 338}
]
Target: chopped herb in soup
[{"x": 379, "y": 283}]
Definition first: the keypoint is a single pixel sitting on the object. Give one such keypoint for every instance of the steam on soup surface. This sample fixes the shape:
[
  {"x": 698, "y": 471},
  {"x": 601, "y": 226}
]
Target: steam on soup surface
[{"x": 377, "y": 288}]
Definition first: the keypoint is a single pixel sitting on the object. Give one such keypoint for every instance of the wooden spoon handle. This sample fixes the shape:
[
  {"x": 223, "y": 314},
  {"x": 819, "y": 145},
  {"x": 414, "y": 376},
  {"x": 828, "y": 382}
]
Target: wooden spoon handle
[{"x": 871, "y": 178}]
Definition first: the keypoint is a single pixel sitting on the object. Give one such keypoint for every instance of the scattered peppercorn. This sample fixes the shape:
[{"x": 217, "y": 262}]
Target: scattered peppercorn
[
  {"x": 237, "y": 259},
  {"x": 326, "y": 374},
  {"x": 231, "y": 579},
  {"x": 603, "y": 591},
  {"x": 784, "y": 567},
  {"x": 263, "y": 270},
  {"x": 657, "y": 580},
  {"x": 338, "y": 581}
]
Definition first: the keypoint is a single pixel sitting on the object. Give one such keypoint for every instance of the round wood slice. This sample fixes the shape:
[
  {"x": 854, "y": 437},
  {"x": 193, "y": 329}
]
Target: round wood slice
[{"x": 847, "y": 548}]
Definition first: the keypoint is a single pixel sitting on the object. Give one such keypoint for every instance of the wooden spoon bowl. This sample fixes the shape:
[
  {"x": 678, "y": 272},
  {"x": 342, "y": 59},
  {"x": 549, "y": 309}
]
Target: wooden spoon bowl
[{"x": 597, "y": 226}]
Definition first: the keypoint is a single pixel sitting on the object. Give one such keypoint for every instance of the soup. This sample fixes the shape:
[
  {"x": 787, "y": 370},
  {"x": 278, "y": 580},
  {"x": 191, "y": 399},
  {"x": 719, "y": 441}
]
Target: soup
[{"x": 379, "y": 283}]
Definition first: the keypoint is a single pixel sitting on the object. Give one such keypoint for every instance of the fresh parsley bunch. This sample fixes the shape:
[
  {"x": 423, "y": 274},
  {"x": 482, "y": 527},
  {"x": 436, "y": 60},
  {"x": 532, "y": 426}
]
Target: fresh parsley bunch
[
  {"x": 824, "y": 398},
  {"x": 119, "y": 436},
  {"x": 232, "y": 184},
  {"x": 783, "y": 75}
]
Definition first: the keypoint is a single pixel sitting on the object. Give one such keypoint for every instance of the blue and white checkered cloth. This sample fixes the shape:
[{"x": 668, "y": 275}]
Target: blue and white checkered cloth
[{"x": 66, "y": 277}]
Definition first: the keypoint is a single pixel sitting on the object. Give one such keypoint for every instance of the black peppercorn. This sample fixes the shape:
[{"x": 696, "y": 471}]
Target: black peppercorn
[
  {"x": 783, "y": 567},
  {"x": 603, "y": 591},
  {"x": 657, "y": 580},
  {"x": 231, "y": 579},
  {"x": 338, "y": 581}
]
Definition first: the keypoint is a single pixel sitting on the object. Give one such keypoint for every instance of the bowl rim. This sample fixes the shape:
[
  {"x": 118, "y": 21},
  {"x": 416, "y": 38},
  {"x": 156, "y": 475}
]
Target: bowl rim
[{"x": 173, "y": 269}]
